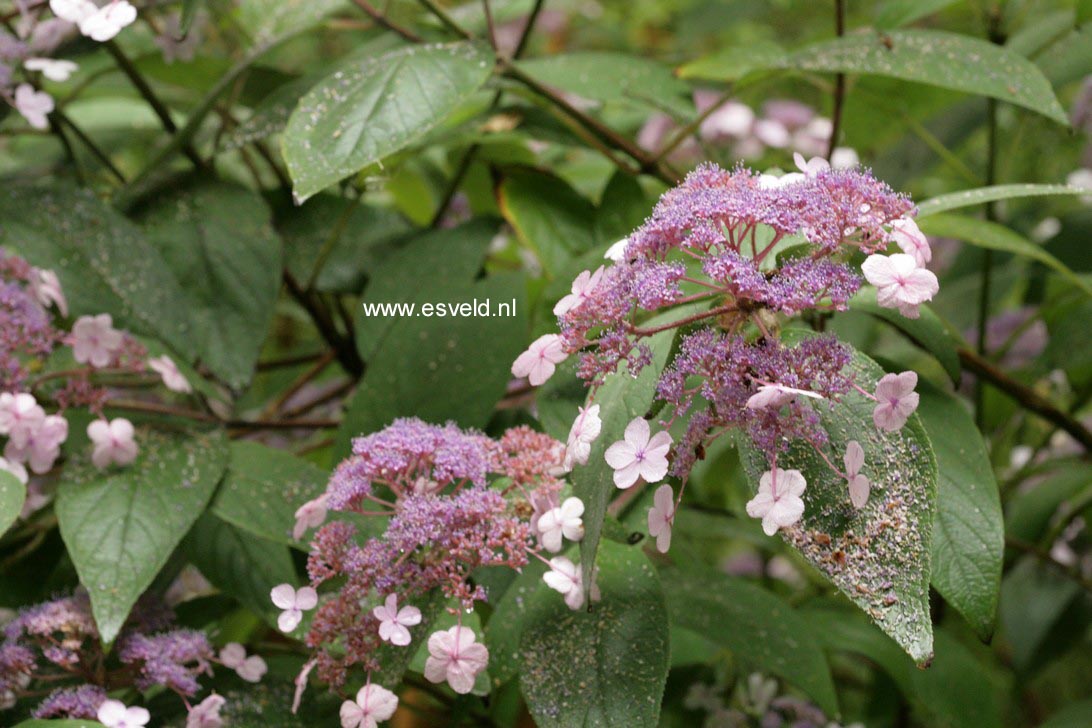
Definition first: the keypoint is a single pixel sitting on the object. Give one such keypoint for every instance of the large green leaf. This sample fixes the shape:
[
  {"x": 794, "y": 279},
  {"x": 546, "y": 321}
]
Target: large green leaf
[
  {"x": 267, "y": 20},
  {"x": 549, "y": 216},
  {"x": 504, "y": 629},
  {"x": 262, "y": 489},
  {"x": 993, "y": 236},
  {"x": 103, "y": 261},
  {"x": 937, "y": 58},
  {"x": 893, "y": 13},
  {"x": 605, "y": 666},
  {"x": 12, "y": 495},
  {"x": 982, "y": 195},
  {"x": 608, "y": 76},
  {"x": 969, "y": 530},
  {"x": 927, "y": 331},
  {"x": 361, "y": 114},
  {"x": 756, "y": 625},
  {"x": 879, "y": 555},
  {"x": 219, "y": 242},
  {"x": 239, "y": 564},
  {"x": 121, "y": 525}
]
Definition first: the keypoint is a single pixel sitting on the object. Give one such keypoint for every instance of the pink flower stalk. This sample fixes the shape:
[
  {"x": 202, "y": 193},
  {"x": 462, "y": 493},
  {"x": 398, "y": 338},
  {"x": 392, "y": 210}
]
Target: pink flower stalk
[
  {"x": 294, "y": 602},
  {"x": 896, "y": 400},
  {"x": 540, "y": 360},
  {"x": 113, "y": 442},
  {"x": 233, "y": 656},
  {"x": 456, "y": 657},
  {"x": 900, "y": 283},
  {"x": 858, "y": 484},
  {"x": 584, "y": 284},
  {"x": 563, "y": 521},
  {"x": 373, "y": 704},
  {"x": 95, "y": 341},
  {"x": 394, "y": 622},
  {"x": 661, "y": 516},
  {"x": 638, "y": 456},
  {"x": 173, "y": 379},
  {"x": 778, "y": 501}
]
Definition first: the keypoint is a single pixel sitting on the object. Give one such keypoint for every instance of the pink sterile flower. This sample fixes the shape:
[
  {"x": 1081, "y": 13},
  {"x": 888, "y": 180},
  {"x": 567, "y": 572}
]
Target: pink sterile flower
[
  {"x": 294, "y": 602},
  {"x": 540, "y": 359},
  {"x": 660, "y": 517},
  {"x": 74, "y": 11},
  {"x": 251, "y": 669},
  {"x": 206, "y": 714},
  {"x": 456, "y": 657},
  {"x": 114, "y": 714},
  {"x": 54, "y": 70},
  {"x": 46, "y": 287},
  {"x": 168, "y": 370},
  {"x": 584, "y": 284},
  {"x": 393, "y": 622},
  {"x": 585, "y": 430},
  {"x": 15, "y": 468},
  {"x": 810, "y": 167},
  {"x": 564, "y": 577},
  {"x": 858, "y": 484},
  {"x": 896, "y": 400},
  {"x": 311, "y": 514},
  {"x": 113, "y": 442},
  {"x": 40, "y": 447},
  {"x": 373, "y": 704},
  {"x": 617, "y": 251},
  {"x": 108, "y": 21},
  {"x": 778, "y": 501},
  {"x": 20, "y": 415},
  {"x": 35, "y": 106},
  {"x": 95, "y": 340},
  {"x": 565, "y": 520},
  {"x": 911, "y": 240},
  {"x": 638, "y": 456},
  {"x": 776, "y": 395},
  {"x": 899, "y": 282}
]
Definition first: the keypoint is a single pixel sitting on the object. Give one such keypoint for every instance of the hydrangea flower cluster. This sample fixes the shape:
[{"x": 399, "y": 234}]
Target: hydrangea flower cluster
[
  {"x": 455, "y": 500},
  {"x": 724, "y": 257},
  {"x": 55, "y": 646}
]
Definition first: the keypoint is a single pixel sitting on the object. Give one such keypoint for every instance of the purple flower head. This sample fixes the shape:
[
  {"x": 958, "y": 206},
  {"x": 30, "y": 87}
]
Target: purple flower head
[
  {"x": 74, "y": 703},
  {"x": 171, "y": 659}
]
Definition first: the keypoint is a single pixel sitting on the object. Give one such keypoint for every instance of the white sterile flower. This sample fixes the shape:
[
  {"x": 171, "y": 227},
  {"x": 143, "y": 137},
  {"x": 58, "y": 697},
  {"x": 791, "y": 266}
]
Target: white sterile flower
[
  {"x": 95, "y": 340},
  {"x": 54, "y": 69},
  {"x": 731, "y": 119},
  {"x": 582, "y": 287},
  {"x": 778, "y": 501},
  {"x": 108, "y": 21},
  {"x": 899, "y": 282},
  {"x": 810, "y": 167},
  {"x": 393, "y": 622},
  {"x": 74, "y": 11},
  {"x": 251, "y": 669},
  {"x": 168, "y": 371},
  {"x": 455, "y": 656},
  {"x": 373, "y": 704},
  {"x": 565, "y": 520},
  {"x": 41, "y": 446},
  {"x": 46, "y": 287},
  {"x": 858, "y": 484},
  {"x": 294, "y": 602},
  {"x": 911, "y": 240},
  {"x": 844, "y": 158},
  {"x": 564, "y": 577},
  {"x": 772, "y": 133},
  {"x": 772, "y": 181},
  {"x": 113, "y": 442},
  {"x": 114, "y": 714},
  {"x": 20, "y": 415},
  {"x": 584, "y": 431},
  {"x": 660, "y": 517},
  {"x": 206, "y": 714},
  {"x": 639, "y": 456},
  {"x": 35, "y": 106},
  {"x": 311, "y": 514},
  {"x": 617, "y": 251},
  {"x": 540, "y": 359},
  {"x": 896, "y": 400},
  {"x": 776, "y": 395}
]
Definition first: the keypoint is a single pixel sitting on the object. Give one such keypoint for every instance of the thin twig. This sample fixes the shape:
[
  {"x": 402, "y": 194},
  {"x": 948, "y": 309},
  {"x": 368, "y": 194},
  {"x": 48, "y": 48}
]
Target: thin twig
[
  {"x": 839, "y": 81},
  {"x": 347, "y": 354},
  {"x": 446, "y": 20},
  {"x": 90, "y": 144},
  {"x": 492, "y": 31},
  {"x": 380, "y": 19}
]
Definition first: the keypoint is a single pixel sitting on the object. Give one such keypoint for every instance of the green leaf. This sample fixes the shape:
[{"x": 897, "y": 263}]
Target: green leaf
[
  {"x": 895, "y": 13},
  {"x": 606, "y": 666},
  {"x": 937, "y": 58},
  {"x": 504, "y": 629},
  {"x": 104, "y": 262},
  {"x": 239, "y": 564},
  {"x": 608, "y": 76},
  {"x": 927, "y": 331},
  {"x": 1074, "y": 715},
  {"x": 189, "y": 12},
  {"x": 993, "y": 236},
  {"x": 549, "y": 216},
  {"x": 270, "y": 116},
  {"x": 982, "y": 195},
  {"x": 121, "y": 525},
  {"x": 267, "y": 20},
  {"x": 969, "y": 530},
  {"x": 262, "y": 489},
  {"x": 878, "y": 555},
  {"x": 754, "y": 624},
  {"x": 737, "y": 61},
  {"x": 219, "y": 242},
  {"x": 12, "y": 496},
  {"x": 376, "y": 107}
]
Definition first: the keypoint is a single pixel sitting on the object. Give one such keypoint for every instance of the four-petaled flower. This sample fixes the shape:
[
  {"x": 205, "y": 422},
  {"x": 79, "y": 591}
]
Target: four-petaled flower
[
  {"x": 778, "y": 501},
  {"x": 617, "y": 251},
  {"x": 374, "y": 703},
  {"x": 909, "y": 237},
  {"x": 234, "y": 657},
  {"x": 113, "y": 442},
  {"x": 776, "y": 395},
  {"x": 168, "y": 370},
  {"x": 108, "y": 20},
  {"x": 540, "y": 359},
  {"x": 584, "y": 284},
  {"x": 565, "y": 578},
  {"x": 810, "y": 167},
  {"x": 896, "y": 400},
  {"x": 54, "y": 70},
  {"x": 585, "y": 430},
  {"x": 456, "y": 657},
  {"x": 46, "y": 287},
  {"x": 95, "y": 340},
  {"x": 311, "y": 514},
  {"x": 114, "y": 714},
  {"x": 565, "y": 520},
  {"x": 20, "y": 415},
  {"x": 206, "y": 714},
  {"x": 660, "y": 517},
  {"x": 858, "y": 484},
  {"x": 393, "y": 622},
  {"x": 899, "y": 282},
  {"x": 40, "y": 447},
  {"x": 294, "y": 602},
  {"x": 638, "y": 455},
  {"x": 35, "y": 106}
]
